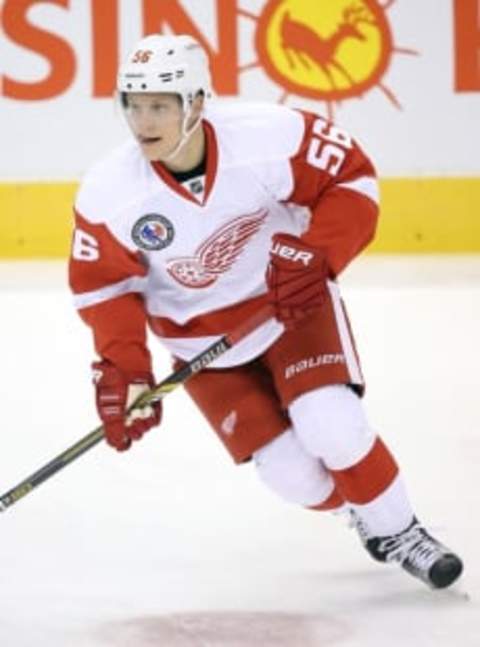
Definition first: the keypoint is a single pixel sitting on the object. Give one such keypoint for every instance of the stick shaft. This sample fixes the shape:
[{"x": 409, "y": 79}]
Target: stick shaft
[{"x": 169, "y": 384}]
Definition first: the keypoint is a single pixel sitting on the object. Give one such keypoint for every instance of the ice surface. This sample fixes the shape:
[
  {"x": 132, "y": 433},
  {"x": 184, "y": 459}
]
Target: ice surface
[{"x": 172, "y": 545}]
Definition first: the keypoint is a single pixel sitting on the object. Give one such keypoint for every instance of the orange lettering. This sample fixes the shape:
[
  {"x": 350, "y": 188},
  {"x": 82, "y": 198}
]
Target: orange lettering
[
  {"x": 104, "y": 46},
  {"x": 467, "y": 45},
  {"x": 224, "y": 62},
  {"x": 142, "y": 56},
  {"x": 56, "y": 50}
]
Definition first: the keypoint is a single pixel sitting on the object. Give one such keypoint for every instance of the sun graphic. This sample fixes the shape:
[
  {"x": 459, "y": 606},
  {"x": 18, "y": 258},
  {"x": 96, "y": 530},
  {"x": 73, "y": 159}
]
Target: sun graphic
[{"x": 329, "y": 51}]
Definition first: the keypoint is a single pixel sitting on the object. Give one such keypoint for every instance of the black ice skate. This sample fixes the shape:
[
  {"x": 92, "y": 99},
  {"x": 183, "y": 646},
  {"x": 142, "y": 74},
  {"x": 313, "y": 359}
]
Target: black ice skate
[{"x": 416, "y": 551}]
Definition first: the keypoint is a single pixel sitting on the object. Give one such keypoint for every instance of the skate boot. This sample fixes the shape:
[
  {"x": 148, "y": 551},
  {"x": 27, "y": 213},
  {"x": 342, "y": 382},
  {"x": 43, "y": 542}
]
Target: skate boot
[{"x": 416, "y": 551}]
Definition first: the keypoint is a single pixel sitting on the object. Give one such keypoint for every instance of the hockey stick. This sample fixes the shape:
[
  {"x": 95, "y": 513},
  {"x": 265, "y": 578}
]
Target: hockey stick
[{"x": 169, "y": 384}]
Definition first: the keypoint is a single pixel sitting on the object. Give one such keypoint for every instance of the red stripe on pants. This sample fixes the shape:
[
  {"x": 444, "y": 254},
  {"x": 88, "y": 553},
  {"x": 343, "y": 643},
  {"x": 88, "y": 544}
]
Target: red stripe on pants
[
  {"x": 367, "y": 479},
  {"x": 335, "y": 500}
]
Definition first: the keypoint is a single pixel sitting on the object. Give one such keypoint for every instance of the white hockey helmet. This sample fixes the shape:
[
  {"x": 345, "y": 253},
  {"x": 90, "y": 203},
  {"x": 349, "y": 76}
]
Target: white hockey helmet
[{"x": 158, "y": 63}]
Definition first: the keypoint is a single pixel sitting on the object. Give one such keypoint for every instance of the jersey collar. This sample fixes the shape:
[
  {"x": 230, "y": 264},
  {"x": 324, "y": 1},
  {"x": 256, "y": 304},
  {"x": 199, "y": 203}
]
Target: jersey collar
[{"x": 210, "y": 174}]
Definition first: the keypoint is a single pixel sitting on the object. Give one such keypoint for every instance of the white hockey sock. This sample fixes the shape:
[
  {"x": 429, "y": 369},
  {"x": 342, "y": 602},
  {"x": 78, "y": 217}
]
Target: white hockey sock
[{"x": 389, "y": 513}]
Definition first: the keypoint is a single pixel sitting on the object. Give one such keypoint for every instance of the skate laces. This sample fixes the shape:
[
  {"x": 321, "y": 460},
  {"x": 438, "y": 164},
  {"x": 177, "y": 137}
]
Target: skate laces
[{"x": 413, "y": 546}]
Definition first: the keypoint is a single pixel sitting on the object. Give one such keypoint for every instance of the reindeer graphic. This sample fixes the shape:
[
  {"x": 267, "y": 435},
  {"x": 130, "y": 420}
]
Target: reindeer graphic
[{"x": 302, "y": 44}]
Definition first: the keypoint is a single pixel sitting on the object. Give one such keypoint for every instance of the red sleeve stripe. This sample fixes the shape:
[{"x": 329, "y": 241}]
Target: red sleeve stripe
[
  {"x": 112, "y": 291},
  {"x": 365, "y": 185}
]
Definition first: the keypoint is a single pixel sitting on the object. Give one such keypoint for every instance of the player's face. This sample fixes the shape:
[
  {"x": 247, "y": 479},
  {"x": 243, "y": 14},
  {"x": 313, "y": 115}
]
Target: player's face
[{"x": 156, "y": 121}]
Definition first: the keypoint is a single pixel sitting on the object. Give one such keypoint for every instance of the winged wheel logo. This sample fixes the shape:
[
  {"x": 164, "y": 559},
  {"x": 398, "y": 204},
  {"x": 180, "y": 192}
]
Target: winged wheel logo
[{"x": 218, "y": 253}]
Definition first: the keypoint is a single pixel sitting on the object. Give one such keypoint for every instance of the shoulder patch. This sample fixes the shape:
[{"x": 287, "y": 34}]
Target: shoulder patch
[{"x": 153, "y": 232}]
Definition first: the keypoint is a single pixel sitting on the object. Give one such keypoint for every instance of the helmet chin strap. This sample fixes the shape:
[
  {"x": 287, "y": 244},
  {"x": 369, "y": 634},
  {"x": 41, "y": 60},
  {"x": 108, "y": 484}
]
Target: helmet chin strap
[{"x": 186, "y": 134}]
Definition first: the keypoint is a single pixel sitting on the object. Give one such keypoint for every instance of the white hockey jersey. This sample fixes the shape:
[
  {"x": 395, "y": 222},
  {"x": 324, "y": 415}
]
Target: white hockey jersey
[{"x": 190, "y": 259}]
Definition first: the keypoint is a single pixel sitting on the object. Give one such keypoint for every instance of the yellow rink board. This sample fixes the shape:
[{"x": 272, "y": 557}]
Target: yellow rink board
[{"x": 428, "y": 215}]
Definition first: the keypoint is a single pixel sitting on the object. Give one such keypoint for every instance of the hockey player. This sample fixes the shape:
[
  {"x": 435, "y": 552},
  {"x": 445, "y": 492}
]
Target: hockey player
[{"x": 210, "y": 211}]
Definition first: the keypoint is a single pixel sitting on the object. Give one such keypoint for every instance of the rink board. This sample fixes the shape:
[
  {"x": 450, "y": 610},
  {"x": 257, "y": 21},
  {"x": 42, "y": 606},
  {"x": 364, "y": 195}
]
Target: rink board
[{"x": 419, "y": 215}]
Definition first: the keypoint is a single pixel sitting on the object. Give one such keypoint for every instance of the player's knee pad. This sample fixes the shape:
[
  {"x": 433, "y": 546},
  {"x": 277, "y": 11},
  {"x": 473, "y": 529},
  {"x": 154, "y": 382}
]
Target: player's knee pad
[
  {"x": 331, "y": 424},
  {"x": 285, "y": 467}
]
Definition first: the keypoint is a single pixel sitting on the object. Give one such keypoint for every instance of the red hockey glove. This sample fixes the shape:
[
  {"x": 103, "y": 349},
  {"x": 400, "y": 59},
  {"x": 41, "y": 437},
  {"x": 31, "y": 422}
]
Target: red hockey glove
[
  {"x": 296, "y": 278},
  {"x": 115, "y": 392}
]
